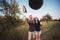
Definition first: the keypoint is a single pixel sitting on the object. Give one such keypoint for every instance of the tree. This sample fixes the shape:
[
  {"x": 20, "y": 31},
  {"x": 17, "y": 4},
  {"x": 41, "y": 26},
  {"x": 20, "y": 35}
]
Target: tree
[
  {"x": 47, "y": 17},
  {"x": 10, "y": 9},
  {"x": 11, "y": 19},
  {"x": 13, "y": 8}
]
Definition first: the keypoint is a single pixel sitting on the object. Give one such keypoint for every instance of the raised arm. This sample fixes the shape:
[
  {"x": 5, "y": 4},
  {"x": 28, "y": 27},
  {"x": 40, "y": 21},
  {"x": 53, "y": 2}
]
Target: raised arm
[{"x": 42, "y": 23}]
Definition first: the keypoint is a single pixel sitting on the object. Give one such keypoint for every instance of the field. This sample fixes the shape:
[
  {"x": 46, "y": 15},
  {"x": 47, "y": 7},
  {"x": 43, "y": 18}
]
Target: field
[{"x": 50, "y": 31}]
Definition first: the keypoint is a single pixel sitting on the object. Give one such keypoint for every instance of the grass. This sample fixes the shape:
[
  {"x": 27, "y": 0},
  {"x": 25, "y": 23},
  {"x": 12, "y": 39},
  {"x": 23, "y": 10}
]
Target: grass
[{"x": 50, "y": 31}]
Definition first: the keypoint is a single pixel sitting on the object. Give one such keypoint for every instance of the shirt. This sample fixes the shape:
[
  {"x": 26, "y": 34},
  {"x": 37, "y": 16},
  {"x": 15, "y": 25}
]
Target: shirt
[
  {"x": 31, "y": 25},
  {"x": 37, "y": 26}
]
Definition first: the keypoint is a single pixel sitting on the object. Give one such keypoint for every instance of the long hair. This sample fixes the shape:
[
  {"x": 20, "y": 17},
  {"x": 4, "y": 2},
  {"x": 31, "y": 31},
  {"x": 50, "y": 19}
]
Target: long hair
[{"x": 36, "y": 20}]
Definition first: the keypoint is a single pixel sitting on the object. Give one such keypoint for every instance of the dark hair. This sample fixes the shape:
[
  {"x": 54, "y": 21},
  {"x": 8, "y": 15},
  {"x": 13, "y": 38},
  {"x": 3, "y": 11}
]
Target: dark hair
[{"x": 35, "y": 19}]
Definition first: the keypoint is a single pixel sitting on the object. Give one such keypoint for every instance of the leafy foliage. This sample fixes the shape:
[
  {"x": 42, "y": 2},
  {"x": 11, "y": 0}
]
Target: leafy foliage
[
  {"x": 9, "y": 22},
  {"x": 47, "y": 17}
]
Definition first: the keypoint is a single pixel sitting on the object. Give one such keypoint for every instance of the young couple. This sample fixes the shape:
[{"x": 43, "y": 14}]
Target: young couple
[{"x": 34, "y": 28}]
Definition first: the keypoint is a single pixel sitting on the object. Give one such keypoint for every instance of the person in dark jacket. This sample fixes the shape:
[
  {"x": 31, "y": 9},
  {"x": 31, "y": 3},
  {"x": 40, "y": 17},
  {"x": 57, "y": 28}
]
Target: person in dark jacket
[{"x": 37, "y": 26}]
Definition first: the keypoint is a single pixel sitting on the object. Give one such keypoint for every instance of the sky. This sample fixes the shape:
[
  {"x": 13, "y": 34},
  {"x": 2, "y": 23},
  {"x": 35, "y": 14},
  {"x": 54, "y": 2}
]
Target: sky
[{"x": 51, "y": 7}]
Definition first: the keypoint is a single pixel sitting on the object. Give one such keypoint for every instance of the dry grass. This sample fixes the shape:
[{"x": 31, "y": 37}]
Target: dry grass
[{"x": 50, "y": 31}]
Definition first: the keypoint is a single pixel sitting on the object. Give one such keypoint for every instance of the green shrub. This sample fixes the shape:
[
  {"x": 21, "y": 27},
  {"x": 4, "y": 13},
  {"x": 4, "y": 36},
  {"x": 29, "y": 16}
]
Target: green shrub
[{"x": 9, "y": 22}]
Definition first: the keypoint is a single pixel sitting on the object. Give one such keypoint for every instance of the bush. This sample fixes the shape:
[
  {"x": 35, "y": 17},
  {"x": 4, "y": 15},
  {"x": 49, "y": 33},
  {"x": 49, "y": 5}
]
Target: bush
[{"x": 9, "y": 22}]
